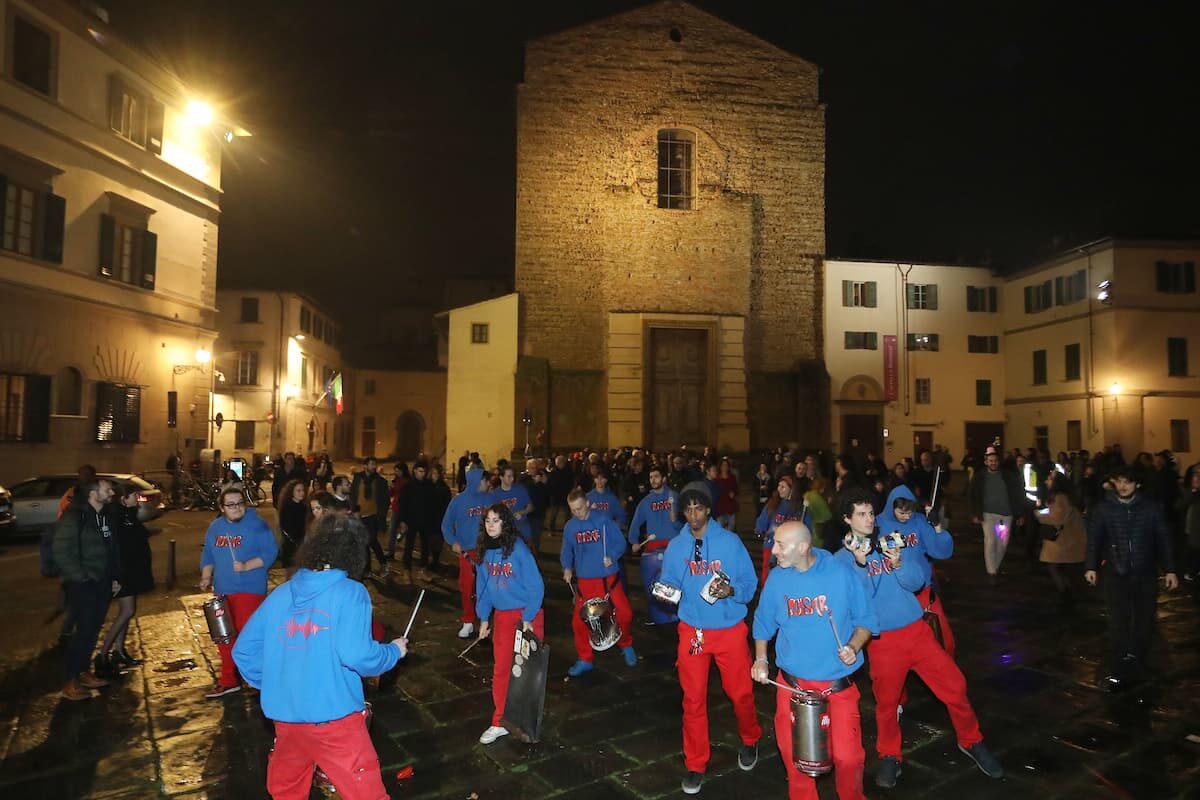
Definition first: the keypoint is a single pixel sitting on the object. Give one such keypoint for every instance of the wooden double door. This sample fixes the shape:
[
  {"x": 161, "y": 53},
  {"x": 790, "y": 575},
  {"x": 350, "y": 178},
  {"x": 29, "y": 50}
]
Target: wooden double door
[{"x": 678, "y": 388}]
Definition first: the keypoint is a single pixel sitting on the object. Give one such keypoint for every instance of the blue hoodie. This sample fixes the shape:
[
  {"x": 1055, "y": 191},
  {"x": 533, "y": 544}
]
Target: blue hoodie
[
  {"x": 308, "y": 647},
  {"x": 608, "y": 504},
  {"x": 659, "y": 512},
  {"x": 248, "y": 538},
  {"x": 719, "y": 550},
  {"x": 508, "y": 583},
  {"x": 797, "y": 605},
  {"x": 587, "y": 541},
  {"x": 784, "y": 512},
  {"x": 890, "y": 591},
  {"x": 460, "y": 523},
  {"x": 919, "y": 536},
  {"x": 517, "y": 500}
]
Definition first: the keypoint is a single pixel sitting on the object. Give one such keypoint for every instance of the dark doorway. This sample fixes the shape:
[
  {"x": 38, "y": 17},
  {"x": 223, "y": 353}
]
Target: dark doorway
[
  {"x": 922, "y": 440},
  {"x": 410, "y": 431},
  {"x": 678, "y": 382},
  {"x": 861, "y": 434},
  {"x": 982, "y": 435},
  {"x": 368, "y": 437}
]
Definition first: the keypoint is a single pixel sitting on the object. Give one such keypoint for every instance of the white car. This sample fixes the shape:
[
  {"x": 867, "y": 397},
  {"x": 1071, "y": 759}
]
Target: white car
[{"x": 35, "y": 501}]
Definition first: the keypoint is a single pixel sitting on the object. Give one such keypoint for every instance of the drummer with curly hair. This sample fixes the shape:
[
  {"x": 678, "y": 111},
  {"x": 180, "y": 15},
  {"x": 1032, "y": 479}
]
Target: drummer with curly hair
[
  {"x": 507, "y": 581},
  {"x": 306, "y": 649},
  {"x": 810, "y": 602}
]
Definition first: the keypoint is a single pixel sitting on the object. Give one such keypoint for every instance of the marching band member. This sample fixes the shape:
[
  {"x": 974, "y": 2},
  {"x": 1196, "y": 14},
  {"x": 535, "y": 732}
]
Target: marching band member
[
  {"x": 507, "y": 580},
  {"x": 603, "y": 499},
  {"x": 460, "y": 529},
  {"x": 307, "y": 649},
  {"x": 592, "y": 543},
  {"x": 807, "y": 600},
  {"x": 715, "y": 578},
  {"x": 779, "y": 509},
  {"x": 516, "y": 497},
  {"x": 658, "y": 512},
  {"x": 905, "y": 644}
]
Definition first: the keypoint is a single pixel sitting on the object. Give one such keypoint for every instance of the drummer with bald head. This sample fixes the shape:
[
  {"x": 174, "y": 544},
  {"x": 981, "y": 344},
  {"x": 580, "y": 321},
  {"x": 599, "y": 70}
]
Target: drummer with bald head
[{"x": 818, "y": 612}]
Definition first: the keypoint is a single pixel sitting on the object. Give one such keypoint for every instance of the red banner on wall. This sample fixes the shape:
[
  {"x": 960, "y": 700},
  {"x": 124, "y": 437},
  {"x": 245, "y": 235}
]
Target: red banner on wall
[{"x": 891, "y": 367}]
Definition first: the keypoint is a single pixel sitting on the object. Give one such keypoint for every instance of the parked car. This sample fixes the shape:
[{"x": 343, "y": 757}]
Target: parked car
[
  {"x": 35, "y": 501},
  {"x": 8, "y": 520}
]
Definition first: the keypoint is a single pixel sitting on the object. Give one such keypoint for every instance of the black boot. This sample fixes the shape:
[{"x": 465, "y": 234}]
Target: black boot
[
  {"x": 105, "y": 668},
  {"x": 125, "y": 659}
]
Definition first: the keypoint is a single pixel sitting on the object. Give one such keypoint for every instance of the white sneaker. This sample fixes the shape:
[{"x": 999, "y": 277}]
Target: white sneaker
[
  {"x": 466, "y": 631},
  {"x": 492, "y": 734}
]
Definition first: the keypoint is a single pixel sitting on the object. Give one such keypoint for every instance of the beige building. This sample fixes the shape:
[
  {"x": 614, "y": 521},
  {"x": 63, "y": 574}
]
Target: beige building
[
  {"x": 482, "y": 412},
  {"x": 110, "y": 189},
  {"x": 400, "y": 413},
  {"x": 915, "y": 357},
  {"x": 279, "y": 370},
  {"x": 1102, "y": 348},
  {"x": 1092, "y": 348},
  {"x": 670, "y": 233}
]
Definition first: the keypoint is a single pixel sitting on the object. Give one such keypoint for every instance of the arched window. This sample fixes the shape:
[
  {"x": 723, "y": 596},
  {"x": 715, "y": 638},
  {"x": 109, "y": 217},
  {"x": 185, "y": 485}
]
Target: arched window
[
  {"x": 68, "y": 388},
  {"x": 676, "y": 154}
]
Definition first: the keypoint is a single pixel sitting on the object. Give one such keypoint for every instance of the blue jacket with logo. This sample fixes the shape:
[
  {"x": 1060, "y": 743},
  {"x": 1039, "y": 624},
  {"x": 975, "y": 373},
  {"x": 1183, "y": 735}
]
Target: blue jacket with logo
[
  {"x": 508, "y": 582},
  {"x": 659, "y": 512},
  {"x": 719, "y": 550},
  {"x": 587, "y": 541},
  {"x": 891, "y": 591},
  {"x": 460, "y": 523}
]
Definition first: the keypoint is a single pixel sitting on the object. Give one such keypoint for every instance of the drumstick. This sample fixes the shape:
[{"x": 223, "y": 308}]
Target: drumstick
[
  {"x": 791, "y": 689},
  {"x": 420, "y": 597},
  {"x": 937, "y": 474},
  {"x": 472, "y": 644},
  {"x": 833, "y": 625}
]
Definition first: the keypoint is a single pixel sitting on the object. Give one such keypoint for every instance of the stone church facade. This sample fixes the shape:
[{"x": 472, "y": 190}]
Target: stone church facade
[{"x": 670, "y": 235}]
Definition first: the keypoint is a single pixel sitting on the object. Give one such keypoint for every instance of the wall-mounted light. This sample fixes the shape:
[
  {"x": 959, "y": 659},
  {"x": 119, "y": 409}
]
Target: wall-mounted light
[
  {"x": 1104, "y": 291},
  {"x": 291, "y": 390},
  {"x": 203, "y": 355},
  {"x": 299, "y": 337},
  {"x": 199, "y": 113},
  {"x": 1115, "y": 389}
]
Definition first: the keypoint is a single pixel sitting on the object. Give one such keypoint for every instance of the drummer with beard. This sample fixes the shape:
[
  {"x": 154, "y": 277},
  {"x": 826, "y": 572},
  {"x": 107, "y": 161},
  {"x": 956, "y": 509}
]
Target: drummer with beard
[
  {"x": 809, "y": 602},
  {"x": 507, "y": 580},
  {"x": 658, "y": 513},
  {"x": 592, "y": 543},
  {"x": 711, "y": 626}
]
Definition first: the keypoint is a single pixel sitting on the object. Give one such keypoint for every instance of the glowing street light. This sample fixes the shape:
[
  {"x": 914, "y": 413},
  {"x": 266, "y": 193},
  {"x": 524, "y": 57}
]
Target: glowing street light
[
  {"x": 199, "y": 112},
  {"x": 203, "y": 355},
  {"x": 1115, "y": 389}
]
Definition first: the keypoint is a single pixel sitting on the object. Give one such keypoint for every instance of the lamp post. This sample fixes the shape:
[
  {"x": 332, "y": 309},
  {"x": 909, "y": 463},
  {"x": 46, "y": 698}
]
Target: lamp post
[{"x": 527, "y": 420}]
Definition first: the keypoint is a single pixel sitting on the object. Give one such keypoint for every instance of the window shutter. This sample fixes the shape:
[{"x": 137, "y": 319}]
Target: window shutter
[
  {"x": 116, "y": 88},
  {"x": 931, "y": 297},
  {"x": 154, "y": 126},
  {"x": 972, "y": 301},
  {"x": 54, "y": 220},
  {"x": 1162, "y": 276},
  {"x": 131, "y": 410},
  {"x": 847, "y": 293},
  {"x": 108, "y": 245},
  {"x": 910, "y": 296},
  {"x": 848, "y": 344},
  {"x": 37, "y": 408},
  {"x": 1189, "y": 277},
  {"x": 991, "y": 294},
  {"x": 149, "y": 258},
  {"x": 1045, "y": 295},
  {"x": 871, "y": 294},
  {"x": 872, "y": 341},
  {"x": 3, "y": 197},
  {"x": 910, "y": 341},
  {"x": 1028, "y": 299},
  {"x": 1060, "y": 297},
  {"x": 994, "y": 343}
]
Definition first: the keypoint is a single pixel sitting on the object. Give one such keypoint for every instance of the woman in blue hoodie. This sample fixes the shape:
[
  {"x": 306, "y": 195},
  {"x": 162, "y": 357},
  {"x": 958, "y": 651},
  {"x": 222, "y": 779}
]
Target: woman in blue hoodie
[
  {"x": 307, "y": 649},
  {"x": 506, "y": 580}
]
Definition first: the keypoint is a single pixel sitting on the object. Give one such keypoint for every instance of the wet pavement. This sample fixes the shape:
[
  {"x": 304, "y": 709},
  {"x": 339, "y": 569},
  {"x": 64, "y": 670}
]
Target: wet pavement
[{"x": 1034, "y": 669}]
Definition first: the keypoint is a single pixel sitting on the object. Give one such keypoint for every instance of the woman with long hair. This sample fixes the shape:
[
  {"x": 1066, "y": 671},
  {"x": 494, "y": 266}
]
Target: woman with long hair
[
  {"x": 134, "y": 576},
  {"x": 1069, "y": 545},
  {"x": 507, "y": 580},
  {"x": 293, "y": 516},
  {"x": 780, "y": 508}
]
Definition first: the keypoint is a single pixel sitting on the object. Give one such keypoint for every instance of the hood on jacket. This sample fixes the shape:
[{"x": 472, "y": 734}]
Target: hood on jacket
[
  {"x": 307, "y": 584},
  {"x": 474, "y": 476},
  {"x": 900, "y": 491}
]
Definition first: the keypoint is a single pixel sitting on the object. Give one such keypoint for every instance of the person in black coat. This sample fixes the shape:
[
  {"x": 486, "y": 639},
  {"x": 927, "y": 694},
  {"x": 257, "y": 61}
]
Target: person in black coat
[
  {"x": 293, "y": 519},
  {"x": 1129, "y": 533},
  {"x": 135, "y": 577},
  {"x": 441, "y": 499},
  {"x": 291, "y": 469}
]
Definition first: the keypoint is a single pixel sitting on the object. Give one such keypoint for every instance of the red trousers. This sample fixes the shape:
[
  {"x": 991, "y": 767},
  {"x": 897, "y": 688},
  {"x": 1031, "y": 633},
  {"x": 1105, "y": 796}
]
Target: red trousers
[
  {"x": 731, "y": 650},
  {"x": 242, "y": 606},
  {"x": 342, "y": 748},
  {"x": 913, "y": 647},
  {"x": 466, "y": 585},
  {"x": 845, "y": 742},
  {"x": 596, "y": 587},
  {"x": 504, "y": 633},
  {"x": 937, "y": 608}
]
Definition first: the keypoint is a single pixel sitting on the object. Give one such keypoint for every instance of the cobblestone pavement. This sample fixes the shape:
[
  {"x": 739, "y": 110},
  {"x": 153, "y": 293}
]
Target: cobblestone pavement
[{"x": 1034, "y": 671}]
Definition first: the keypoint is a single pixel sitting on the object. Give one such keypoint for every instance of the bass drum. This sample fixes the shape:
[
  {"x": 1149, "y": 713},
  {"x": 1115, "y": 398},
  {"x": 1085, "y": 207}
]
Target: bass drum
[{"x": 600, "y": 618}]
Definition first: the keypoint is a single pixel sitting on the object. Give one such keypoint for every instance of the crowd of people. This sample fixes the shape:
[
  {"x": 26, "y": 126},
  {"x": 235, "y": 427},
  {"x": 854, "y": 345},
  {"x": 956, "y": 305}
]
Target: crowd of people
[{"x": 847, "y": 569}]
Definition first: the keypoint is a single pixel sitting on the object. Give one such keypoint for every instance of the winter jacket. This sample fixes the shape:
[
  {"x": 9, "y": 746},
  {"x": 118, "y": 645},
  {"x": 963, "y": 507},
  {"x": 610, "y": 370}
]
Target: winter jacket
[
  {"x": 1132, "y": 537},
  {"x": 84, "y": 545},
  {"x": 378, "y": 486}
]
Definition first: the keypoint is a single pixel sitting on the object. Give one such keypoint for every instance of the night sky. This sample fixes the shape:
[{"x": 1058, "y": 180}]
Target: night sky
[{"x": 967, "y": 132}]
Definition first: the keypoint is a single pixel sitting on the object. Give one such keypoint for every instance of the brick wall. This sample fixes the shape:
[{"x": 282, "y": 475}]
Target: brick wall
[{"x": 590, "y": 237}]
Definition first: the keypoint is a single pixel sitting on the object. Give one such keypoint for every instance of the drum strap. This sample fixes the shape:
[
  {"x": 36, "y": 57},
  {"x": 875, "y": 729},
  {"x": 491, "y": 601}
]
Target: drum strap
[{"x": 835, "y": 686}]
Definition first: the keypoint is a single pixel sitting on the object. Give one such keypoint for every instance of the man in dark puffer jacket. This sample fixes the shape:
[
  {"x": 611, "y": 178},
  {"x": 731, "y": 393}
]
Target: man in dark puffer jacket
[{"x": 1128, "y": 534}]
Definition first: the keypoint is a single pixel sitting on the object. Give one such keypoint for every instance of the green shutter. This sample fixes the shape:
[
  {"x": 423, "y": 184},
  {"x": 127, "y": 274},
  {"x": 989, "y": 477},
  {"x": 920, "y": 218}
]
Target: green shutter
[
  {"x": 871, "y": 294},
  {"x": 992, "y": 304},
  {"x": 1162, "y": 274},
  {"x": 149, "y": 258},
  {"x": 1189, "y": 277},
  {"x": 154, "y": 126},
  {"x": 910, "y": 296},
  {"x": 848, "y": 344},
  {"x": 3, "y": 199},
  {"x": 54, "y": 216},
  {"x": 37, "y": 408},
  {"x": 872, "y": 341},
  {"x": 931, "y": 297},
  {"x": 847, "y": 293},
  {"x": 108, "y": 245},
  {"x": 972, "y": 303}
]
